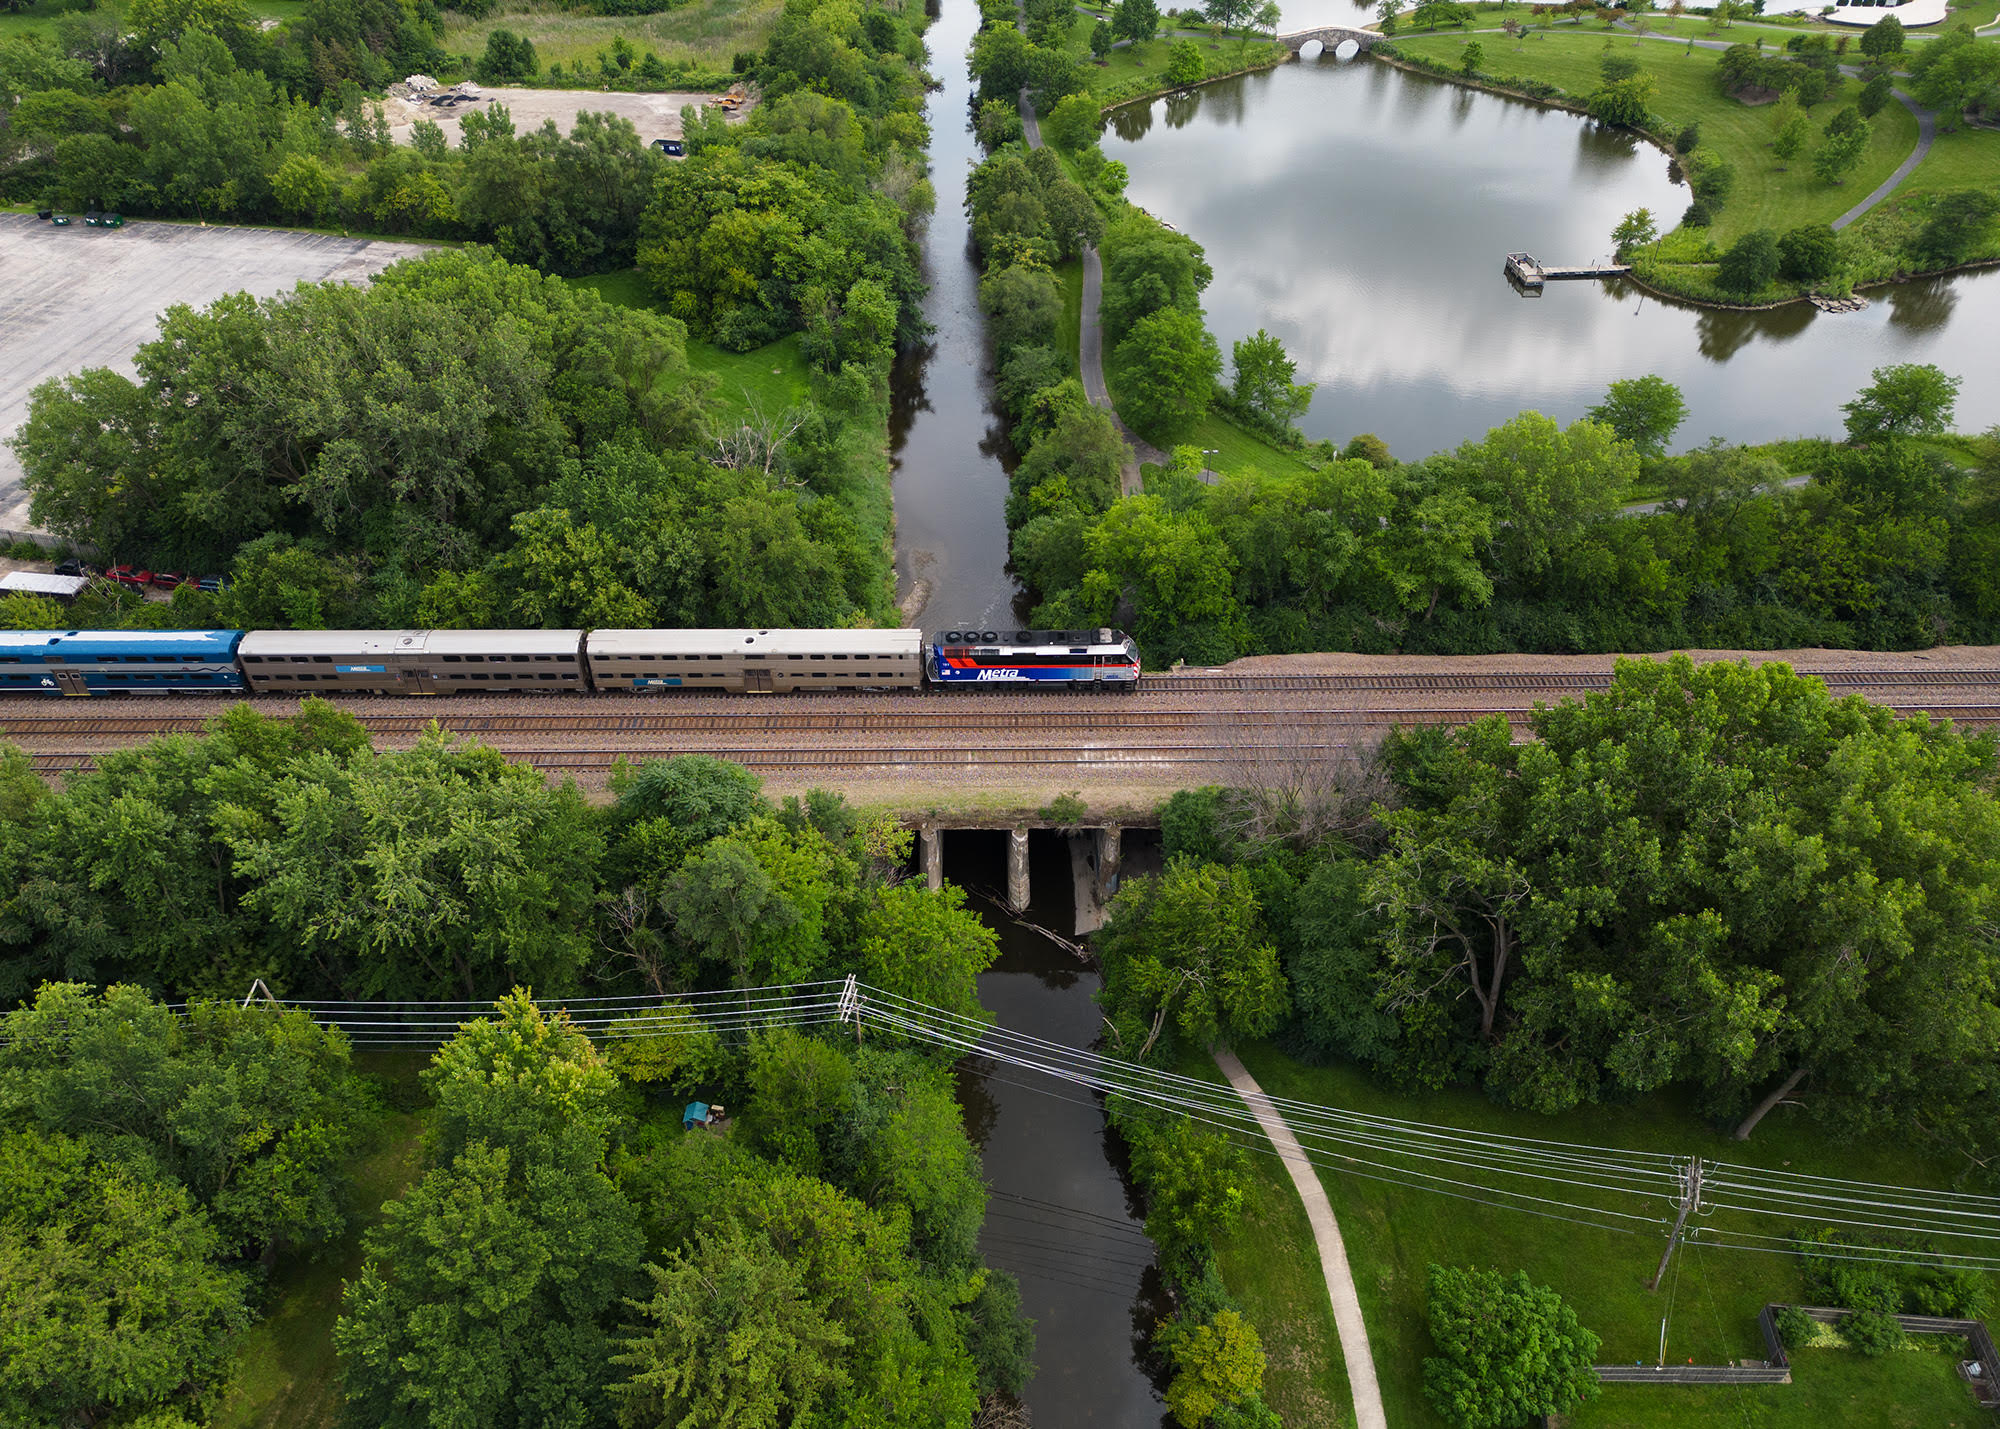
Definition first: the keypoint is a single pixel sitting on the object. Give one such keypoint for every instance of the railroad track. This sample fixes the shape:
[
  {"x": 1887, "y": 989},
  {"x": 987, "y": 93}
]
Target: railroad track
[{"x": 1159, "y": 741}]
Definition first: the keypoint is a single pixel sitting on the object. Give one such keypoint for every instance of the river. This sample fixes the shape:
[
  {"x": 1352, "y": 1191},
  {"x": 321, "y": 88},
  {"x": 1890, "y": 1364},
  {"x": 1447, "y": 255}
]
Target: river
[
  {"x": 947, "y": 441},
  {"x": 1360, "y": 213},
  {"x": 1060, "y": 1213}
]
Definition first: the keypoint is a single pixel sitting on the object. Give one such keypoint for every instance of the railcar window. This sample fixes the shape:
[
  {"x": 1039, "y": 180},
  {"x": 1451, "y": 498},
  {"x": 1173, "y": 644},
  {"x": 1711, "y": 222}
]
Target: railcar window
[
  {"x": 519, "y": 659},
  {"x": 451, "y": 659},
  {"x": 481, "y": 675},
  {"x": 715, "y": 657},
  {"x": 322, "y": 659}
]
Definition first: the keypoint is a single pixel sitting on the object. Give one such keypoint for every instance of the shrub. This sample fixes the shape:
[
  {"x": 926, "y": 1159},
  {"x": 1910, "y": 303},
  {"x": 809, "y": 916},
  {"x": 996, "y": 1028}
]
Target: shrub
[
  {"x": 1750, "y": 263},
  {"x": 1809, "y": 252},
  {"x": 508, "y": 56},
  {"x": 1685, "y": 141},
  {"x": 1872, "y": 1332},
  {"x": 1796, "y": 1328}
]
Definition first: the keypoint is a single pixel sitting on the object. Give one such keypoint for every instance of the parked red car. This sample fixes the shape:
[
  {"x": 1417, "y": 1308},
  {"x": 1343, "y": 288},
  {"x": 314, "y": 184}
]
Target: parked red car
[
  {"x": 167, "y": 580},
  {"x": 126, "y": 576}
]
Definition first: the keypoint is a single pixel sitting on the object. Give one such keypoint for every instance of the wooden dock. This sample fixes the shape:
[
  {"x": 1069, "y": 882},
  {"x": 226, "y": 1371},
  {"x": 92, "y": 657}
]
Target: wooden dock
[{"x": 1525, "y": 270}]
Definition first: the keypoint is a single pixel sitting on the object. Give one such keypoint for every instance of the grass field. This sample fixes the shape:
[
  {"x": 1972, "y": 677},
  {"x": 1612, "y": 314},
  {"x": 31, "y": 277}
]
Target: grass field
[
  {"x": 1768, "y": 194},
  {"x": 1711, "y": 1299},
  {"x": 707, "y": 33},
  {"x": 1917, "y": 1389},
  {"x": 287, "y": 1376},
  {"x": 1269, "y": 1264},
  {"x": 1133, "y": 70},
  {"x": 42, "y": 14},
  {"x": 1963, "y": 159}
]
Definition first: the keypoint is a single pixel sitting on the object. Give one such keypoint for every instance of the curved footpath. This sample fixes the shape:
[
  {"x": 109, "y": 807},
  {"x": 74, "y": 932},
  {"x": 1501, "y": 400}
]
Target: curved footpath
[
  {"x": 1368, "y": 1411},
  {"x": 1090, "y": 341}
]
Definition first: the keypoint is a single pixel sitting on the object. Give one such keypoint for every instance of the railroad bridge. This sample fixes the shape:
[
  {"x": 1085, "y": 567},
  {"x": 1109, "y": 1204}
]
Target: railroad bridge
[{"x": 1329, "y": 36}]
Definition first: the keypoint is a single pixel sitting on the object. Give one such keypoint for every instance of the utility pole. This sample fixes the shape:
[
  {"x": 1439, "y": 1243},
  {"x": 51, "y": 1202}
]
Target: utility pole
[
  {"x": 849, "y": 1008},
  {"x": 1690, "y": 1194},
  {"x": 257, "y": 987}
]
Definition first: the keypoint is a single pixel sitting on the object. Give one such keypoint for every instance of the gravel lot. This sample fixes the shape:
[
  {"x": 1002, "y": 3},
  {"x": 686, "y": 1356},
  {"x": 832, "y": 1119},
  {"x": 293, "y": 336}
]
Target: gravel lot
[
  {"x": 87, "y": 297},
  {"x": 655, "y": 116}
]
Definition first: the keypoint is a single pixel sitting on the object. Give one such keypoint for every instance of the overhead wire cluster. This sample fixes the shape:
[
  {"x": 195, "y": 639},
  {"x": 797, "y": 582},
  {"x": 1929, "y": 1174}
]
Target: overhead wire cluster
[{"x": 1628, "y": 1191}]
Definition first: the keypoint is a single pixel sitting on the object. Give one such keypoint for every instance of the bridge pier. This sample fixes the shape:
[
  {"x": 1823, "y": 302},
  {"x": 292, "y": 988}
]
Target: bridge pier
[
  {"x": 930, "y": 855},
  {"x": 1017, "y": 870}
]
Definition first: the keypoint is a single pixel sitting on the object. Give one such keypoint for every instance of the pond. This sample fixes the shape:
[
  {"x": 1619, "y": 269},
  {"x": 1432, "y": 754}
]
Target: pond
[{"x": 1361, "y": 214}]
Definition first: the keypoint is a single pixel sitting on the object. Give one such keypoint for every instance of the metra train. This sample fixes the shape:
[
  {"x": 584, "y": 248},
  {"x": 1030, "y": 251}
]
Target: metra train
[{"x": 442, "y": 662}]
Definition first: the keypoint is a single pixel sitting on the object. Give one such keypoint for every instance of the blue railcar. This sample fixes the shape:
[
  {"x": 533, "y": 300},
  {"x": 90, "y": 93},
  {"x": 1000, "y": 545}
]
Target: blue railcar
[
  {"x": 103, "y": 662},
  {"x": 1056, "y": 657}
]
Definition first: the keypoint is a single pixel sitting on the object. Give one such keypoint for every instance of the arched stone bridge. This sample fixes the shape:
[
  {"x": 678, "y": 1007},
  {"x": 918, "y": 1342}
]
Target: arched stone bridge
[{"x": 1331, "y": 36}]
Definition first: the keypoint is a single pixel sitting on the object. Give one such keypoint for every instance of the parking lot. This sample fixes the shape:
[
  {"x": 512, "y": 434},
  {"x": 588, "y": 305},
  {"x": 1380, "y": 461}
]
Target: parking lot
[{"x": 81, "y": 297}]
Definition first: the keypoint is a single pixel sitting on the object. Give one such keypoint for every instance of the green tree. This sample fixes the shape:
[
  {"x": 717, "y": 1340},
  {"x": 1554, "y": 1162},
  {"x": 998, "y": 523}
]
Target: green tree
[
  {"x": 1625, "y": 102},
  {"x": 1168, "y": 369},
  {"x": 1545, "y": 485},
  {"x": 925, "y": 946},
  {"x": 1170, "y": 568},
  {"x": 1749, "y": 264},
  {"x": 1194, "y": 1188},
  {"x": 1471, "y": 58},
  {"x": 756, "y": 902},
  {"x": 1955, "y": 74},
  {"x": 1645, "y": 411},
  {"x": 1022, "y": 306},
  {"x": 508, "y": 57},
  {"x": 1883, "y": 38},
  {"x": 1635, "y": 230},
  {"x": 1072, "y": 124},
  {"x": 1218, "y": 1366},
  {"x": 254, "y": 1110},
  {"x": 1809, "y": 253},
  {"x": 1264, "y": 385},
  {"x": 1839, "y": 154},
  {"x": 441, "y": 869},
  {"x": 485, "y": 1296},
  {"x": 1508, "y": 1351},
  {"x": 522, "y": 1080},
  {"x": 1136, "y": 20},
  {"x": 1184, "y": 64},
  {"x": 1101, "y": 40},
  {"x": 1875, "y": 94},
  {"x": 785, "y": 1353},
  {"x": 1188, "y": 951},
  {"x": 1792, "y": 136},
  {"x": 1909, "y": 399},
  {"x": 109, "y": 1290},
  {"x": 1960, "y": 225}
]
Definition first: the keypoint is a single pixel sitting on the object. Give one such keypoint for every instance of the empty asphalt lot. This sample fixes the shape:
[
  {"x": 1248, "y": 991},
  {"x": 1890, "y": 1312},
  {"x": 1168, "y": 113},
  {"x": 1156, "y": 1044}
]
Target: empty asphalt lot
[{"x": 81, "y": 297}]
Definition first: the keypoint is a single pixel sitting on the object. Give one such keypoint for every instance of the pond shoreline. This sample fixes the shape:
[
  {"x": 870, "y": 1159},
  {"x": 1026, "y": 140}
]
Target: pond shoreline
[{"x": 1665, "y": 146}]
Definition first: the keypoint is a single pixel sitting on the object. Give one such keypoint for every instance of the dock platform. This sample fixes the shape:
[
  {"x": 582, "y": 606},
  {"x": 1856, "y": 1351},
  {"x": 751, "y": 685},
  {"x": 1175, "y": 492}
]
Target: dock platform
[{"x": 1525, "y": 270}]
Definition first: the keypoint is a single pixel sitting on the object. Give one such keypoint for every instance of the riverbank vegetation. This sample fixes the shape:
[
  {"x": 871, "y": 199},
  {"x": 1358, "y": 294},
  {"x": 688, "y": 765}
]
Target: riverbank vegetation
[
  {"x": 1523, "y": 541},
  {"x": 171, "y": 1177},
  {"x": 1439, "y": 932},
  {"x": 1772, "y": 142}
]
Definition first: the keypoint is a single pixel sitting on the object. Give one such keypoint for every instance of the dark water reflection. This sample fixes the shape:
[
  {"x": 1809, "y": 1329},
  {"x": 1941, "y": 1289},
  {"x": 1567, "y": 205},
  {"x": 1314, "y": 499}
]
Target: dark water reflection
[
  {"x": 1062, "y": 1215},
  {"x": 948, "y": 445},
  {"x": 1361, "y": 215}
]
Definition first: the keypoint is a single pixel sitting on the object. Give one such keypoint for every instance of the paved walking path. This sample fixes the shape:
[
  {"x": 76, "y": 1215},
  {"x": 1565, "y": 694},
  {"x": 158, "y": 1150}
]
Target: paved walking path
[
  {"x": 1090, "y": 345},
  {"x": 1368, "y": 1412}
]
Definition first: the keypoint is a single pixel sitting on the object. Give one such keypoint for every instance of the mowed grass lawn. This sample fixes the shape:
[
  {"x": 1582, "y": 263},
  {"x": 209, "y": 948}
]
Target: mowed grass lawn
[
  {"x": 1768, "y": 194},
  {"x": 1136, "y": 69},
  {"x": 1272, "y": 1269},
  {"x": 707, "y": 33},
  {"x": 1394, "y": 1233},
  {"x": 1963, "y": 159}
]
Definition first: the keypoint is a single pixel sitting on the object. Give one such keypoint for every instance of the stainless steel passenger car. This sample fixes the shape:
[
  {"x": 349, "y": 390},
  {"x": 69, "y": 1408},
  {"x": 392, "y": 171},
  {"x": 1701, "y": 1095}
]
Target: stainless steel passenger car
[
  {"x": 755, "y": 661},
  {"x": 412, "y": 662}
]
